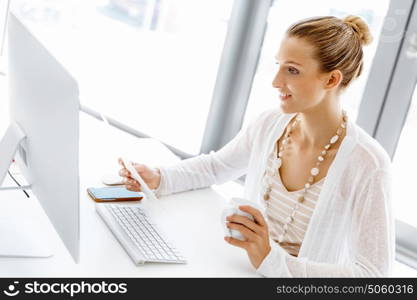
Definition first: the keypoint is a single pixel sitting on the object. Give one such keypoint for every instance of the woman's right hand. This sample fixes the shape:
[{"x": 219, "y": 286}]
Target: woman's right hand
[{"x": 151, "y": 176}]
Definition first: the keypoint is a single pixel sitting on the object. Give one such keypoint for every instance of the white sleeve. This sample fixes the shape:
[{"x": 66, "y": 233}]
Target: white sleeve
[
  {"x": 229, "y": 163},
  {"x": 373, "y": 241}
]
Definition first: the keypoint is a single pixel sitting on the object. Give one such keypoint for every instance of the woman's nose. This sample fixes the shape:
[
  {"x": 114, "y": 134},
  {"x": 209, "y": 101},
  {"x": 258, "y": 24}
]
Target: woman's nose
[{"x": 277, "y": 82}]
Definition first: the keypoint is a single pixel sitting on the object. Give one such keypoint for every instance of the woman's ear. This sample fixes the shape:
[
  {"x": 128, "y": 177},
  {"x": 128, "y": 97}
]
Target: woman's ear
[{"x": 334, "y": 79}]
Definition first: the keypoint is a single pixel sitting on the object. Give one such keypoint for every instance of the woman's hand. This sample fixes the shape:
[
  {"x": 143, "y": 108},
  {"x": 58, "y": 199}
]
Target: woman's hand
[
  {"x": 152, "y": 177},
  {"x": 255, "y": 232}
]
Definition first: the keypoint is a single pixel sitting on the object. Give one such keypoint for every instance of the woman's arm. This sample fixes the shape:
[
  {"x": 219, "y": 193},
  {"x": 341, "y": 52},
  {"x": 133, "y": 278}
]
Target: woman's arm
[{"x": 373, "y": 241}]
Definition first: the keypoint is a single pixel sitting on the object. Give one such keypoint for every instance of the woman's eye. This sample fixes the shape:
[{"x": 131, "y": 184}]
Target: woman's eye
[{"x": 293, "y": 71}]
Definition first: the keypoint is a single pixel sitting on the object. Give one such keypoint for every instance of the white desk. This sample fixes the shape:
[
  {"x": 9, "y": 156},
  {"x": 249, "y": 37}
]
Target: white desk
[{"x": 191, "y": 220}]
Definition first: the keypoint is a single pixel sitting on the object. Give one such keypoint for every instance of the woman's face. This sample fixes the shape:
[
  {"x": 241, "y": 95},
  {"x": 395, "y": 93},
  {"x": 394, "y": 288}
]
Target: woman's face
[{"x": 300, "y": 83}]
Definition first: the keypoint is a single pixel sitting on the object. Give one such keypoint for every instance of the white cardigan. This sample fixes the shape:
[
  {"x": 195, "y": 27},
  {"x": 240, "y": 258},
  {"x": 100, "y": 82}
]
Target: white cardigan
[{"x": 351, "y": 231}]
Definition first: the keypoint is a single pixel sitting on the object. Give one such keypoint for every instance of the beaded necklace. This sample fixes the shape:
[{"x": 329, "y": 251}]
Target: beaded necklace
[{"x": 277, "y": 162}]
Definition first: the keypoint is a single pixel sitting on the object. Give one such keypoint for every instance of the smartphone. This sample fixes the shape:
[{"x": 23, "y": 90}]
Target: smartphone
[
  {"x": 110, "y": 194},
  {"x": 144, "y": 187}
]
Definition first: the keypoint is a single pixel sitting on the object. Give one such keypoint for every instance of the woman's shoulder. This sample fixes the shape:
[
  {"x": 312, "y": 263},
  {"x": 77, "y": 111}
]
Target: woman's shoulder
[{"x": 369, "y": 152}]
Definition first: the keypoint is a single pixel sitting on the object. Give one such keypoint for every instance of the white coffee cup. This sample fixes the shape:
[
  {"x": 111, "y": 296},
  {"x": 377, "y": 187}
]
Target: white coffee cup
[{"x": 233, "y": 209}]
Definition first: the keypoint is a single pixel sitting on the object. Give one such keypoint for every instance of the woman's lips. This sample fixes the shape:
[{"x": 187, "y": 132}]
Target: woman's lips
[{"x": 284, "y": 96}]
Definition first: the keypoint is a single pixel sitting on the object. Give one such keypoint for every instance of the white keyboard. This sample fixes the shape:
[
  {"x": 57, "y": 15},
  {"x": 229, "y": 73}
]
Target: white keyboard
[{"x": 138, "y": 234}]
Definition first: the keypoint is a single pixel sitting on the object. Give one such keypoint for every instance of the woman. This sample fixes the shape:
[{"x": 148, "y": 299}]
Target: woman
[{"x": 324, "y": 183}]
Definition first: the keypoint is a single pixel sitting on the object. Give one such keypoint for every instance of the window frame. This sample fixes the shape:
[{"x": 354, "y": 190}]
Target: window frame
[{"x": 387, "y": 99}]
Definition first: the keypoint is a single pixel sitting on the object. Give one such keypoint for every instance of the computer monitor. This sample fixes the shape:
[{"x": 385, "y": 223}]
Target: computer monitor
[{"x": 44, "y": 131}]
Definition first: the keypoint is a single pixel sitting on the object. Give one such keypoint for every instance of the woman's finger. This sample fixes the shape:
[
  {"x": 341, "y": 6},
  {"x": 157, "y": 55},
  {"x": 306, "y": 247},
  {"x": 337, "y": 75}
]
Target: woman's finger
[
  {"x": 246, "y": 222},
  {"x": 121, "y": 162},
  {"x": 246, "y": 232},
  {"x": 132, "y": 188},
  {"x": 236, "y": 242},
  {"x": 130, "y": 181},
  {"x": 124, "y": 173},
  {"x": 259, "y": 218},
  {"x": 132, "y": 185}
]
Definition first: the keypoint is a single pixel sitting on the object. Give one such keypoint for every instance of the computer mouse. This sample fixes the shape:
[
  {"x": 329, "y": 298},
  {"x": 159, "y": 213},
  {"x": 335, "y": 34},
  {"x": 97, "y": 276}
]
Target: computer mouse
[{"x": 112, "y": 179}]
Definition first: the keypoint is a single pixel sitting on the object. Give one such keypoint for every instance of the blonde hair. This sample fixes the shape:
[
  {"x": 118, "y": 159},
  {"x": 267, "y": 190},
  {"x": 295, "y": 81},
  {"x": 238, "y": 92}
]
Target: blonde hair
[{"x": 338, "y": 43}]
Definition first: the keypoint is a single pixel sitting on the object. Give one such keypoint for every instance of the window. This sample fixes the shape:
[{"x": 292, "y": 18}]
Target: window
[
  {"x": 150, "y": 64},
  {"x": 404, "y": 204},
  {"x": 283, "y": 13}
]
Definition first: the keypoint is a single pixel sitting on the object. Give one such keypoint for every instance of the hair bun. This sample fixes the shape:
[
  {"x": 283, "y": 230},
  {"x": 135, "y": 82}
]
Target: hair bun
[{"x": 360, "y": 27}]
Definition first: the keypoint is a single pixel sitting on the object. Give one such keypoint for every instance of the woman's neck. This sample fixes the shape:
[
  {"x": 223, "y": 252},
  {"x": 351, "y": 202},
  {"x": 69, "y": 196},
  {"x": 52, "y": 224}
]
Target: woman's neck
[{"x": 316, "y": 127}]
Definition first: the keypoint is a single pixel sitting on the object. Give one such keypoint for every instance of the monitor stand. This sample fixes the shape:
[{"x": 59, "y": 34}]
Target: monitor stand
[{"x": 20, "y": 238}]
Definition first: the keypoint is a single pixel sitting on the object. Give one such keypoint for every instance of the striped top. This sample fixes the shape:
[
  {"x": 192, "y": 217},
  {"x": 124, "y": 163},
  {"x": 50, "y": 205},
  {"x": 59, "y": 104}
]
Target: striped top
[{"x": 279, "y": 207}]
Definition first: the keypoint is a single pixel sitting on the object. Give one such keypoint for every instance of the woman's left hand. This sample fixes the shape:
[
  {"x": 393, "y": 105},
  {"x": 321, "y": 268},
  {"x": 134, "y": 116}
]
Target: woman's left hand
[{"x": 256, "y": 234}]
